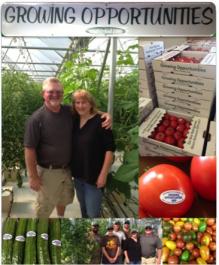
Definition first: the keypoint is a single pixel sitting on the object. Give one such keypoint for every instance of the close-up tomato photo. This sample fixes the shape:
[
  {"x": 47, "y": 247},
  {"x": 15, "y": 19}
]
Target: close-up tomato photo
[
  {"x": 177, "y": 187},
  {"x": 189, "y": 241}
]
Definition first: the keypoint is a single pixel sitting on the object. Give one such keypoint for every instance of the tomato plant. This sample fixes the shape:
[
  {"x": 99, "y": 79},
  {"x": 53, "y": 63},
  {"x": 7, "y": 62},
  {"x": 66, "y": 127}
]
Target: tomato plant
[{"x": 20, "y": 97}]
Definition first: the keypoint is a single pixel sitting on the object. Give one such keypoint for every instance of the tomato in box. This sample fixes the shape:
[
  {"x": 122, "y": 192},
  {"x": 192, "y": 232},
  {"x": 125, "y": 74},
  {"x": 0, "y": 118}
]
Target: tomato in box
[
  {"x": 160, "y": 136},
  {"x": 170, "y": 140},
  {"x": 161, "y": 128},
  {"x": 169, "y": 131},
  {"x": 181, "y": 121},
  {"x": 178, "y": 135},
  {"x": 166, "y": 123},
  {"x": 180, "y": 128},
  {"x": 173, "y": 123},
  {"x": 180, "y": 142}
]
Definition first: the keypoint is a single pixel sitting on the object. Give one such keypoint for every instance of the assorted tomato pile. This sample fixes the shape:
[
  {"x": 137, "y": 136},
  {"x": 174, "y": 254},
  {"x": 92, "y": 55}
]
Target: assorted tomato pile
[
  {"x": 167, "y": 191},
  {"x": 189, "y": 240},
  {"x": 184, "y": 59},
  {"x": 171, "y": 130}
]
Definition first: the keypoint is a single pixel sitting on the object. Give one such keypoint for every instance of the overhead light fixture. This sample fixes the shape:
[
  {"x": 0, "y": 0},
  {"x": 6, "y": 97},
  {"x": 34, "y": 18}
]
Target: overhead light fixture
[{"x": 106, "y": 31}]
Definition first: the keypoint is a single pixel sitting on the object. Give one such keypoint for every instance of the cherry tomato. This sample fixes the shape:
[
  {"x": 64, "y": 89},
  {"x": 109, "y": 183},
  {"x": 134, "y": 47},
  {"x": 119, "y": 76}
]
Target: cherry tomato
[
  {"x": 165, "y": 191},
  {"x": 173, "y": 260},
  {"x": 203, "y": 176}
]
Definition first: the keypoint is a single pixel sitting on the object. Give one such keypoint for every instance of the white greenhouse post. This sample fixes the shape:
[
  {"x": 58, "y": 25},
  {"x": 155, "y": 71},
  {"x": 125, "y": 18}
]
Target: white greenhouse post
[{"x": 112, "y": 75}]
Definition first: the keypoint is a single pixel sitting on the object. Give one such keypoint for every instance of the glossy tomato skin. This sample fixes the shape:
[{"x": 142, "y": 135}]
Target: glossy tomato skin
[
  {"x": 203, "y": 176},
  {"x": 162, "y": 180}
]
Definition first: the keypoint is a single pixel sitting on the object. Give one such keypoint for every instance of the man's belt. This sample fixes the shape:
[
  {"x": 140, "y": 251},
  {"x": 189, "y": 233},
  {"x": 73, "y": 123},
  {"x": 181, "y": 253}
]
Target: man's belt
[{"x": 54, "y": 166}]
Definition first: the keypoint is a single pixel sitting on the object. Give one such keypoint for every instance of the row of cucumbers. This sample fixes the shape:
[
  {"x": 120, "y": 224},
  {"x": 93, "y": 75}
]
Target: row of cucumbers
[{"x": 31, "y": 241}]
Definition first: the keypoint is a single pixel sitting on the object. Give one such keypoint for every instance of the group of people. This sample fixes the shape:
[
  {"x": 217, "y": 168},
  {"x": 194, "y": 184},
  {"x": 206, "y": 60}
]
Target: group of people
[
  {"x": 68, "y": 148},
  {"x": 121, "y": 245}
]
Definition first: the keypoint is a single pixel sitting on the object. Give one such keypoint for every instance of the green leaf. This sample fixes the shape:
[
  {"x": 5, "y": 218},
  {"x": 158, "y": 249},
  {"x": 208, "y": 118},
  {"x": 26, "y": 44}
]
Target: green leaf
[
  {"x": 131, "y": 157},
  {"x": 127, "y": 172}
]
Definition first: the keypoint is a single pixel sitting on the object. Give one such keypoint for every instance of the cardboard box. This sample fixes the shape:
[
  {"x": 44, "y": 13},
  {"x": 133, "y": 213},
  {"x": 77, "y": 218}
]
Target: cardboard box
[
  {"x": 145, "y": 107},
  {"x": 194, "y": 82},
  {"x": 211, "y": 144},
  {"x": 206, "y": 68},
  {"x": 180, "y": 107},
  {"x": 184, "y": 92},
  {"x": 184, "y": 102},
  {"x": 193, "y": 144}
]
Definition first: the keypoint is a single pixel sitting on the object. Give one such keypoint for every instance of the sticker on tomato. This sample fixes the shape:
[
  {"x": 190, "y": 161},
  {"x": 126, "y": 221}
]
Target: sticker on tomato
[{"x": 172, "y": 196}]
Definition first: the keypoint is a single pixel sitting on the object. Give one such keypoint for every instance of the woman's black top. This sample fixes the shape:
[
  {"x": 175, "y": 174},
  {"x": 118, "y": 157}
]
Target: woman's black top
[
  {"x": 90, "y": 144},
  {"x": 133, "y": 248}
]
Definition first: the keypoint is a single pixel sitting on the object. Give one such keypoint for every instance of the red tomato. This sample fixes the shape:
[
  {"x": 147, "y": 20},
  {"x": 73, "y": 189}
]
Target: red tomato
[
  {"x": 169, "y": 131},
  {"x": 165, "y": 191},
  {"x": 170, "y": 140},
  {"x": 203, "y": 176},
  {"x": 160, "y": 136}
]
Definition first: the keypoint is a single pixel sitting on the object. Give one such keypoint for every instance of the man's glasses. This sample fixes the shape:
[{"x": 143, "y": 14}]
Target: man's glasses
[{"x": 52, "y": 92}]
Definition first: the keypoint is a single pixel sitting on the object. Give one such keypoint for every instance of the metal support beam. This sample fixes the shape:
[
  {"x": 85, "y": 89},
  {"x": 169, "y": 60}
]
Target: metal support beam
[
  {"x": 112, "y": 75},
  {"x": 52, "y": 48},
  {"x": 26, "y": 70},
  {"x": 103, "y": 65},
  {"x": 31, "y": 63}
]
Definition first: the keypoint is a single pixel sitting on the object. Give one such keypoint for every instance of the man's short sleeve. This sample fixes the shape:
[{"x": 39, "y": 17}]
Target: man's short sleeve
[
  {"x": 32, "y": 132},
  {"x": 159, "y": 243}
]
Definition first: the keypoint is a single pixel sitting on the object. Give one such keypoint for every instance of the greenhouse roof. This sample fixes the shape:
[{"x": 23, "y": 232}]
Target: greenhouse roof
[{"x": 43, "y": 57}]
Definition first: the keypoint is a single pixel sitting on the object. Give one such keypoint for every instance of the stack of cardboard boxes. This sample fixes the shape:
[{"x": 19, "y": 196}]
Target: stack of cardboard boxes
[{"x": 185, "y": 81}]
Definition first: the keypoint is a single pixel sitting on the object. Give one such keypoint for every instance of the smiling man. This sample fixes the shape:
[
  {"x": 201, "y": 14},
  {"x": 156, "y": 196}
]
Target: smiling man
[{"x": 48, "y": 151}]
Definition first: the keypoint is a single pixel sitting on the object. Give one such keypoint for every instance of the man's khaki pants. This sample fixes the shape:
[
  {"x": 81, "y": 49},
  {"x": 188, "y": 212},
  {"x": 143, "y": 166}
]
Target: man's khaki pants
[
  {"x": 148, "y": 261},
  {"x": 57, "y": 189}
]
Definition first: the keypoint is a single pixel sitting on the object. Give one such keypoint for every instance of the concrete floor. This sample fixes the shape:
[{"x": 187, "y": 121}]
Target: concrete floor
[{"x": 23, "y": 204}]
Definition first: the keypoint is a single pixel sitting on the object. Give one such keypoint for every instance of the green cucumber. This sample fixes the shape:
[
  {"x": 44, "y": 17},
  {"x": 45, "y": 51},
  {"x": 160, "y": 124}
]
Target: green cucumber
[
  {"x": 42, "y": 242},
  {"x": 8, "y": 239},
  {"x": 19, "y": 242},
  {"x": 55, "y": 240},
  {"x": 30, "y": 246}
]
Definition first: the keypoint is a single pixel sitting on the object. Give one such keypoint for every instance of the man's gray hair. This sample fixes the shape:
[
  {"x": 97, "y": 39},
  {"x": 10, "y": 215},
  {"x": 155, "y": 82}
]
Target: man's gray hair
[{"x": 51, "y": 80}]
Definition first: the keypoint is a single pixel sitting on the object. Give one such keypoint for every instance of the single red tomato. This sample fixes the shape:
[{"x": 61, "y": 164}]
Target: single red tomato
[
  {"x": 165, "y": 191},
  {"x": 160, "y": 136},
  {"x": 178, "y": 135},
  {"x": 173, "y": 124},
  {"x": 173, "y": 118},
  {"x": 203, "y": 176},
  {"x": 166, "y": 123},
  {"x": 180, "y": 127},
  {"x": 180, "y": 142},
  {"x": 181, "y": 121},
  {"x": 161, "y": 128},
  {"x": 169, "y": 131},
  {"x": 170, "y": 140}
]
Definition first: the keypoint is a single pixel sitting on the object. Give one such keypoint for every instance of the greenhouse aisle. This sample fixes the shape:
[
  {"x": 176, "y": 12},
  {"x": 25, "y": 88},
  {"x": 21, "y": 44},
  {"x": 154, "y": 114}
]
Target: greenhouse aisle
[{"x": 23, "y": 205}]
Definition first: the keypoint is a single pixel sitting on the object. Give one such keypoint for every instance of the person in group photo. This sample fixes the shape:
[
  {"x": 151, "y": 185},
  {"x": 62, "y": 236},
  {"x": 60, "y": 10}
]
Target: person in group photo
[
  {"x": 151, "y": 247},
  {"x": 111, "y": 247},
  {"x": 48, "y": 150},
  {"x": 95, "y": 238},
  {"x": 132, "y": 249},
  {"x": 92, "y": 155},
  {"x": 126, "y": 229}
]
